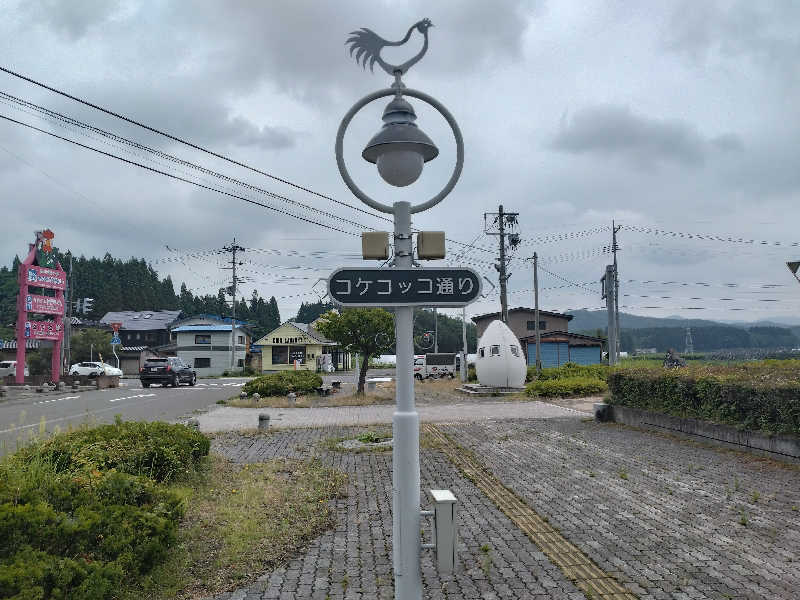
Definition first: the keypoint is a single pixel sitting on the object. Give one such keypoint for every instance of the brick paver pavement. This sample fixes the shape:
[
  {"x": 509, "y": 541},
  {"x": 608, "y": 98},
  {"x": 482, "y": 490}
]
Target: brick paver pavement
[
  {"x": 674, "y": 519},
  {"x": 670, "y": 519},
  {"x": 354, "y": 560}
]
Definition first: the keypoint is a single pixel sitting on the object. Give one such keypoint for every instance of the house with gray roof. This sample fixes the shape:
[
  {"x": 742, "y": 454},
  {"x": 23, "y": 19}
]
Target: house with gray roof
[{"x": 143, "y": 327}]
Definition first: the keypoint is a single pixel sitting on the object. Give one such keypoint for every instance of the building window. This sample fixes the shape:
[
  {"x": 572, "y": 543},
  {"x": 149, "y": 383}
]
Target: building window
[
  {"x": 138, "y": 336},
  {"x": 280, "y": 355},
  {"x": 515, "y": 350},
  {"x": 297, "y": 353},
  {"x": 482, "y": 352},
  {"x": 240, "y": 339},
  {"x": 240, "y": 362},
  {"x": 202, "y": 363},
  {"x": 202, "y": 338},
  {"x": 532, "y": 325},
  {"x": 494, "y": 350}
]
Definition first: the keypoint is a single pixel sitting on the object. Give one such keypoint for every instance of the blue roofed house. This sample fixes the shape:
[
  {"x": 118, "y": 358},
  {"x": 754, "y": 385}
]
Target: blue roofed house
[{"x": 204, "y": 343}]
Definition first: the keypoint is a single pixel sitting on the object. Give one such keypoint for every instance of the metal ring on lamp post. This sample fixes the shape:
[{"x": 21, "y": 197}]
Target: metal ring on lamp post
[{"x": 420, "y": 96}]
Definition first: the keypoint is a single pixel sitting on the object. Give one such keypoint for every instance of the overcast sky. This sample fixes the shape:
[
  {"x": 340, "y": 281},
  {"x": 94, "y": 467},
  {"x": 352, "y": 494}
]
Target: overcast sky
[{"x": 674, "y": 116}]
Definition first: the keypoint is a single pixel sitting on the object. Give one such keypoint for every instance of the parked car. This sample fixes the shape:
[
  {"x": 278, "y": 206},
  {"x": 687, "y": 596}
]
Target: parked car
[
  {"x": 111, "y": 370},
  {"x": 90, "y": 369},
  {"x": 166, "y": 371},
  {"x": 9, "y": 367}
]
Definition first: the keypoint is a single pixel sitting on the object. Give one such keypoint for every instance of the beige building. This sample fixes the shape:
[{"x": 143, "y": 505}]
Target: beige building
[
  {"x": 299, "y": 346},
  {"x": 522, "y": 321}
]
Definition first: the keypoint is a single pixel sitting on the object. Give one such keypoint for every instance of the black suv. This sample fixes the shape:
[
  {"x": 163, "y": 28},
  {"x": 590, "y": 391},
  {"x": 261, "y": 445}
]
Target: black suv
[{"x": 166, "y": 371}]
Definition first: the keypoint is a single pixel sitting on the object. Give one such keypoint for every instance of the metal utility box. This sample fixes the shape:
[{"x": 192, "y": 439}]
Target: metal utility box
[
  {"x": 430, "y": 245},
  {"x": 445, "y": 529},
  {"x": 375, "y": 245}
]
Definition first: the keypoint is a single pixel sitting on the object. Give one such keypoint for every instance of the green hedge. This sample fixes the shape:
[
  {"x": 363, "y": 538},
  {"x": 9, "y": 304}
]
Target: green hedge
[
  {"x": 157, "y": 450},
  {"x": 569, "y": 370},
  {"x": 566, "y": 386},
  {"x": 83, "y": 513},
  {"x": 283, "y": 382},
  {"x": 759, "y": 396}
]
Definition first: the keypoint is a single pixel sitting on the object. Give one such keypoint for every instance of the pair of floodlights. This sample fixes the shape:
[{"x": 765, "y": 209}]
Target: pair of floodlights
[{"x": 399, "y": 150}]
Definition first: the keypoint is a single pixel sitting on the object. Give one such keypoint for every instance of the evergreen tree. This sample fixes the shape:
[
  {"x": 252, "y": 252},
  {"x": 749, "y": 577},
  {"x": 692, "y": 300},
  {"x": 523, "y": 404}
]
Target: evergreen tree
[{"x": 310, "y": 311}]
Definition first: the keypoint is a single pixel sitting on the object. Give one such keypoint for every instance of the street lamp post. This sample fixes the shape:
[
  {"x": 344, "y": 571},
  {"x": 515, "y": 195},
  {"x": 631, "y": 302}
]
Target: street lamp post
[{"x": 399, "y": 151}]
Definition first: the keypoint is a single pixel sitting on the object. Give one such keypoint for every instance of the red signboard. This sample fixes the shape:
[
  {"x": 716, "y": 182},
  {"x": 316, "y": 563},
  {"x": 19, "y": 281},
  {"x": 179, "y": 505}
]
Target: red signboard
[
  {"x": 43, "y": 330},
  {"x": 49, "y": 305},
  {"x": 46, "y": 278},
  {"x": 115, "y": 327}
]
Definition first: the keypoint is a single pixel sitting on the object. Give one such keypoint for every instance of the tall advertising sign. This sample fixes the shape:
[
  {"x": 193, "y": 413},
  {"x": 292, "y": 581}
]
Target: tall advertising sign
[{"x": 40, "y": 271}]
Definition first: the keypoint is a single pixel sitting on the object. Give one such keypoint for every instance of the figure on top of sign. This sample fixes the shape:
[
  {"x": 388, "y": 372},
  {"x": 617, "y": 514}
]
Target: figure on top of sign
[{"x": 44, "y": 249}]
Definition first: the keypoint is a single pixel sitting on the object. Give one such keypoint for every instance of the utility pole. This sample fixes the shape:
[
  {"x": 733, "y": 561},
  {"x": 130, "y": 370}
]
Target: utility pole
[
  {"x": 233, "y": 249},
  {"x": 502, "y": 224},
  {"x": 614, "y": 229},
  {"x": 609, "y": 288},
  {"x": 464, "y": 344},
  {"x": 536, "y": 312}
]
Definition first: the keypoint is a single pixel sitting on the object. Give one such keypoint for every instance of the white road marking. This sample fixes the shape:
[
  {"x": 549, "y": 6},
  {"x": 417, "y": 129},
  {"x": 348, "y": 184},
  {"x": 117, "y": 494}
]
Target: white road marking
[
  {"x": 57, "y": 399},
  {"x": 131, "y": 397}
]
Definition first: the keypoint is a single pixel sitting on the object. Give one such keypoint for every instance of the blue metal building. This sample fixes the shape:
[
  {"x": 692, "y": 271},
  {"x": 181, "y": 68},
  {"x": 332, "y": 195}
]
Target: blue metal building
[{"x": 559, "y": 347}]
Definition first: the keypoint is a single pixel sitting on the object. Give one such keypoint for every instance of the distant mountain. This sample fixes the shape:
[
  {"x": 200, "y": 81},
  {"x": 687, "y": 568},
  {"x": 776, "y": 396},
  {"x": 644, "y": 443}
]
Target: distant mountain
[{"x": 589, "y": 320}]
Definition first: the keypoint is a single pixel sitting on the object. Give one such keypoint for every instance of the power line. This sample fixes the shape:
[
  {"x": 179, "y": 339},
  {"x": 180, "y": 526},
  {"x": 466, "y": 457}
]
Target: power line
[
  {"x": 173, "y": 176},
  {"x": 122, "y": 140},
  {"x": 185, "y": 142},
  {"x": 572, "y": 283},
  {"x": 706, "y": 236}
]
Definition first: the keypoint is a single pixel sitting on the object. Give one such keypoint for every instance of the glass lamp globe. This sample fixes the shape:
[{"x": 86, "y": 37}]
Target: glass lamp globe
[
  {"x": 400, "y": 148},
  {"x": 400, "y": 167}
]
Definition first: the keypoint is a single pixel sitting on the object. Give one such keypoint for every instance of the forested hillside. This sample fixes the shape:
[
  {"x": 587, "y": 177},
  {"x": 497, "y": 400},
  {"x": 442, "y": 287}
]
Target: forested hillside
[{"x": 133, "y": 284}]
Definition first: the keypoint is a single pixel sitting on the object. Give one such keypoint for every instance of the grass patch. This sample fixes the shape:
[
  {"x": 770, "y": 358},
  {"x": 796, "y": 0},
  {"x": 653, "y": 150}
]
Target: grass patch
[
  {"x": 368, "y": 437},
  {"x": 241, "y": 521}
]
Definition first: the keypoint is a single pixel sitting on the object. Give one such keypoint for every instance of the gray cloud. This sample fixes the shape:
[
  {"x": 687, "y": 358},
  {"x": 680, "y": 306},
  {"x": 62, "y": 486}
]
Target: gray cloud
[
  {"x": 714, "y": 30},
  {"x": 72, "y": 20},
  {"x": 610, "y": 130}
]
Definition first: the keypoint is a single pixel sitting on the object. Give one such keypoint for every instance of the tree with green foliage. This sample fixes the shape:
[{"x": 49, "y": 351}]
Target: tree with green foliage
[
  {"x": 450, "y": 338},
  {"x": 40, "y": 362},
  {"x": 310, "y": 311},
  {"x": 365, "y": 331},
  {"x": 88, "y": 343}
]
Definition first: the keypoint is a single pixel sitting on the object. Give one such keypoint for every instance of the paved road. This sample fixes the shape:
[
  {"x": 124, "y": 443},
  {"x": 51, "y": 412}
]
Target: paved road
[{"x": 20, "y": 418}]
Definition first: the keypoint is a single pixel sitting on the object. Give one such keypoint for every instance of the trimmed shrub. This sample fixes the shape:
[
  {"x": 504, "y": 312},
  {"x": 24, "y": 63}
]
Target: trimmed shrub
[
  {"x": 283, "y": 382},
  {"x": 157, "y": 450},
  {"x": 759, "y": 396},
  {"x": 569, "y": 369},
  {"x": 566, "y": 387},
  {"x": 82, "y": 513}
]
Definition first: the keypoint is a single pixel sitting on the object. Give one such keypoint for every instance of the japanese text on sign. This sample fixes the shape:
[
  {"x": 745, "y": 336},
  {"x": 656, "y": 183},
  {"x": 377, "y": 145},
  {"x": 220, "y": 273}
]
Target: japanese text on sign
[{"x": 387, "y": 287}]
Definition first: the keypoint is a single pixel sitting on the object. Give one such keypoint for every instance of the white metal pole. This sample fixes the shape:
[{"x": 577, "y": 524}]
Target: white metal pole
[
  {"x": 464, "y": 344},
  {"x": 538, "y": 362},
  {"x": 436, "y": 330},
  {"x": 405, "y": 455}
]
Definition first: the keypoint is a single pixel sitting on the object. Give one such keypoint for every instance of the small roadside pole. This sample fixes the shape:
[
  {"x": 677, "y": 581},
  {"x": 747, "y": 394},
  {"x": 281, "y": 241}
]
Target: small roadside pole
[{"x": 400, "y": 150}]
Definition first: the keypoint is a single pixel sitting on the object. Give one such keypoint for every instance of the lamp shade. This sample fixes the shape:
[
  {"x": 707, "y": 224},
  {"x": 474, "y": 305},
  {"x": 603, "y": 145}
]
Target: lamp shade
[{"x": 400, "y": 148}]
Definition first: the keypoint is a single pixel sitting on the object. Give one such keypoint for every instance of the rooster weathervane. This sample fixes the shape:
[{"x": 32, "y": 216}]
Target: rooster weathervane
[{"x": 367, "y": 46}]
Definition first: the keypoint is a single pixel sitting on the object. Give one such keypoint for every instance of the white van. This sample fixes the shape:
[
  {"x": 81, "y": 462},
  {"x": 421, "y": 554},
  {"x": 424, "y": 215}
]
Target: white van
[
  {"x": 435, "y": 365},
  {"x": 9, "y": 367}
]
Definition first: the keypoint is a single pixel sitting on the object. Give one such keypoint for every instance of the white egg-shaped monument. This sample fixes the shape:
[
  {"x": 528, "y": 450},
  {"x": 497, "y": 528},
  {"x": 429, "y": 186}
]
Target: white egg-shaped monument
[{"x": 500, "y": 361}]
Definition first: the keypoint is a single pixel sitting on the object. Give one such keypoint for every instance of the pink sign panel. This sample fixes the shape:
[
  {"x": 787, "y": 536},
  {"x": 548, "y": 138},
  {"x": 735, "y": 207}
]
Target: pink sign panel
[
  {"x": 44, "y": 304},
  {"x": 43, "y": 330},
  {"x": 46, "y": 278}
]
